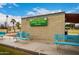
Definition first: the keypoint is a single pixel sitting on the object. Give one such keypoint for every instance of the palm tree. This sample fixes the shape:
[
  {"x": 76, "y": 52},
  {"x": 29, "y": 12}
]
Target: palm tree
[
  {"x": 13, "y": 22},
  {"x": 18, "y": 25}
]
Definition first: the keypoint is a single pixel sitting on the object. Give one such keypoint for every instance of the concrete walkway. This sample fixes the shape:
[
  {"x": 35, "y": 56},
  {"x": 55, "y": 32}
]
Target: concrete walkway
[{"x": 43, "y": 48}]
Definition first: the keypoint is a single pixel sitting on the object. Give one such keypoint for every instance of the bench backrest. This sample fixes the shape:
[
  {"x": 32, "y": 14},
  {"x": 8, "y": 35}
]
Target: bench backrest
[
  {"x": 59, "y": 37},
  {"x": 2, "y": 33},
  {"x": 73, "y": 38},
  {"x": 67, "y": 38},
  {"x": 22, "y": 34}
]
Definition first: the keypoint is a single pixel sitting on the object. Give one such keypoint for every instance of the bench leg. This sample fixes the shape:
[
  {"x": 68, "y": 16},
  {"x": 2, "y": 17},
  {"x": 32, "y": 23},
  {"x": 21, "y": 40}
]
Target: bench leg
[
  {"x": 15, "y": 39},
  {"x": 1, "y": 37},
  {"x": 58, "y": 47},
  {"x": 59, "y": 50}
]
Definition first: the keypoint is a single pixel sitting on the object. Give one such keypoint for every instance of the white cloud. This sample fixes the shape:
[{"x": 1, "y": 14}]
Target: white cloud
[
  {"x": 2, "y": 5},
  {"x": 75, "y": 10},
  {"x": 3, "y": 18},
  {"x": 9, "y": 6},
  {"x": 16, "y": 5},
  {"x": 41, "y": 11},
  {"x": 17, "y": 18},
  {"x": 30, "y": 13},
  {"x": 12, "y": 5}
]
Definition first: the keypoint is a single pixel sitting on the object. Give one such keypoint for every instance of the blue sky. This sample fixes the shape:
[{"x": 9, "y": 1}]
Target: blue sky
[
  {"x": 27, "y": 9},
  {"x": 18, "y": 10}
]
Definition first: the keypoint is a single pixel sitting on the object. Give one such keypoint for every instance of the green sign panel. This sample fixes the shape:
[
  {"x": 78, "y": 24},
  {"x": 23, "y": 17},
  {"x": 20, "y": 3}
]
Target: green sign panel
[{"x": 40, "y": 21}]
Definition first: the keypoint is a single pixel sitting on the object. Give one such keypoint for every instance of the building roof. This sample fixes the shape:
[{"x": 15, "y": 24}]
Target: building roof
[
  {"x": 42, "y": 15},
  {"x": 69, "y": 17}
]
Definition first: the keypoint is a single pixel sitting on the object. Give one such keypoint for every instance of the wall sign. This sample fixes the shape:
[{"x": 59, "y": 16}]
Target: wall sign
[{"x": 40, "y": 21}]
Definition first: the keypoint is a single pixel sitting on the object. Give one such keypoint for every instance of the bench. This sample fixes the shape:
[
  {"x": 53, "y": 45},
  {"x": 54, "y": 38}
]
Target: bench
[
  {"x": 2, "y": 34},
  {"x": 22, "y": 37},
  {"x": 61, "y": 39}
]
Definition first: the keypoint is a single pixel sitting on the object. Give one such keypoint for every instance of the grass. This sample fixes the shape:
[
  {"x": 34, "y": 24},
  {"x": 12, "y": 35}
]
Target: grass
[
  {"x": 73, "y": 31},
  {"x": 4, "y": 50}
]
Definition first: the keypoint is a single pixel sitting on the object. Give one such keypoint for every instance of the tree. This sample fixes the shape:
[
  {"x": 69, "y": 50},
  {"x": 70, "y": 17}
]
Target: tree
[
  {"x": 13, "y": 22},
  {"x": 18, "y": 25},
  {"x": 69, "y": 26}
]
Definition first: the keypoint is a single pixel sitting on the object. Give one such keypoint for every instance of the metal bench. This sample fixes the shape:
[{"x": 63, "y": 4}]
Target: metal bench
[
  {"x": 22, "y": 36},
  {"x": 61, "y": 39},
  {"x": 2, "y": 34}
]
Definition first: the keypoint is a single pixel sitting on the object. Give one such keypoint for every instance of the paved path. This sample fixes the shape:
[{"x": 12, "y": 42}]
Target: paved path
[{"x": 43, "y": 48}]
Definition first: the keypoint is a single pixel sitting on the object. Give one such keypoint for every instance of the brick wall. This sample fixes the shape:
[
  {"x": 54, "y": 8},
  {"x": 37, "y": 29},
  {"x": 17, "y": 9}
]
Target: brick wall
[{"x": 46, "y": 33}]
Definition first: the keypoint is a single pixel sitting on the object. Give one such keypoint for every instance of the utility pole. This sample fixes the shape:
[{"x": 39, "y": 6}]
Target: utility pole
[{"x": 6, "y": 24}]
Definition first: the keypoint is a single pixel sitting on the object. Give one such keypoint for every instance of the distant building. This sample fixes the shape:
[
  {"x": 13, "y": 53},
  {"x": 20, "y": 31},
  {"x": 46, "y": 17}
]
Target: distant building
[{"x": 72, "y": 18}]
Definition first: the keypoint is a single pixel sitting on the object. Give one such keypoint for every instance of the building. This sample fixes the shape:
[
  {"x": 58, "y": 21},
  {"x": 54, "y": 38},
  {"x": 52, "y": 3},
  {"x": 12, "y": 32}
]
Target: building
[
  {"x": 55, "y": 25},
  {"x": 72, "y": 18}
]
